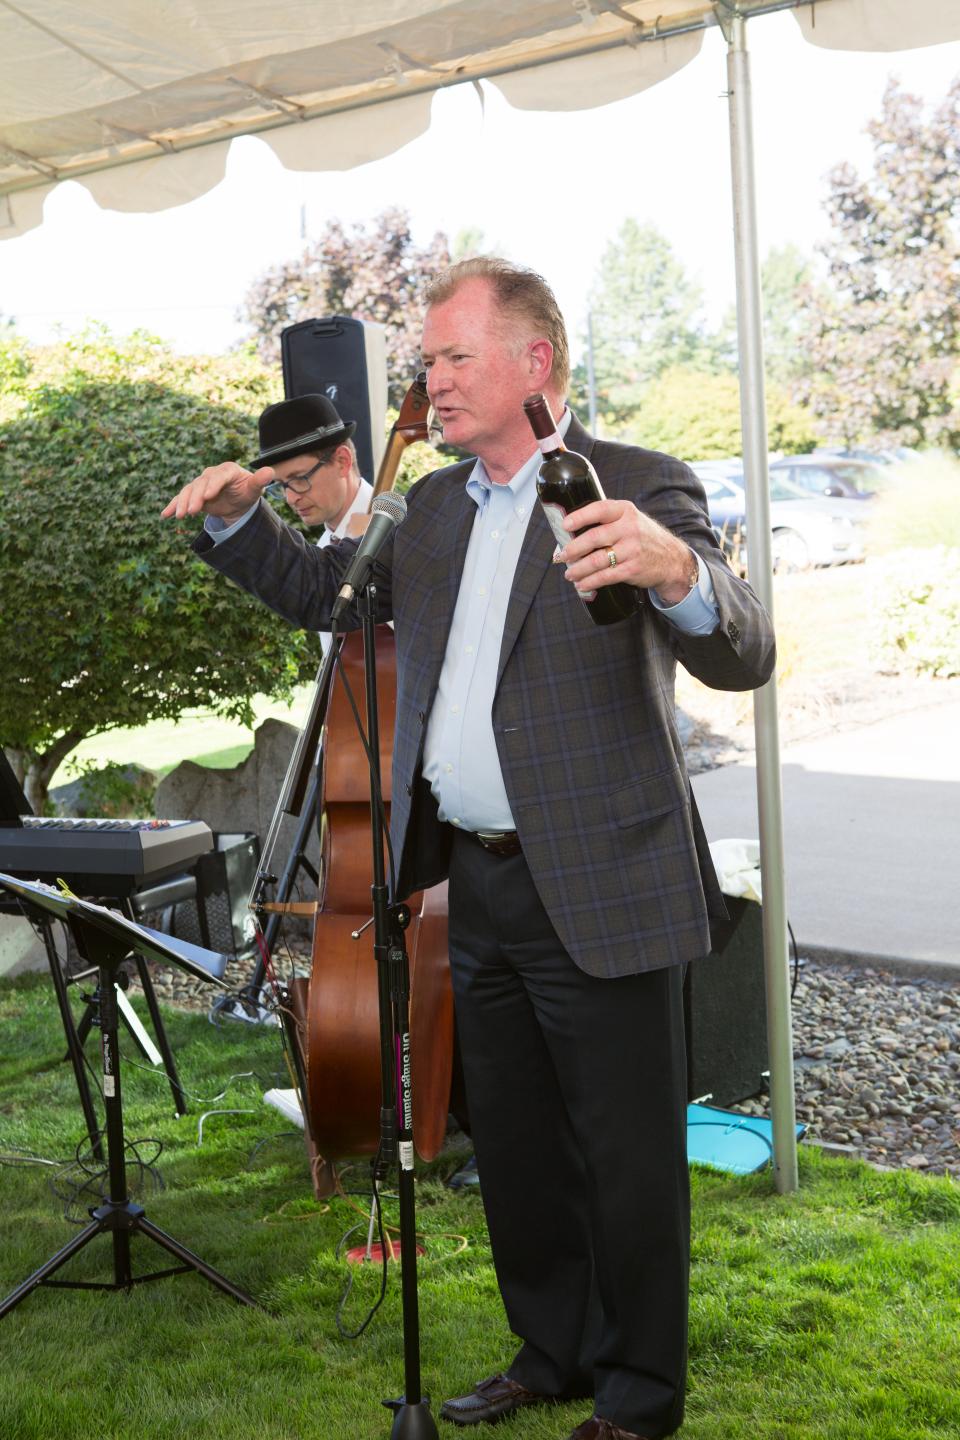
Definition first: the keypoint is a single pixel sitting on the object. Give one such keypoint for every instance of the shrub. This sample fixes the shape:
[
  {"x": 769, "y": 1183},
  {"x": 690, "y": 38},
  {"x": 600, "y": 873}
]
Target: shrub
[
  {"x": 919, "y": 505},
  {"x": 919, "y": 611},
  {"x": 108, "y": 618},
  {"x": 696, "y": 416}
]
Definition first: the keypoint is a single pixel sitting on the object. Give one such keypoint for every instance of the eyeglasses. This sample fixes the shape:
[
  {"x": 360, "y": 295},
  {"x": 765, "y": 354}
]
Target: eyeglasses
[{"x": 299, "y": 484}]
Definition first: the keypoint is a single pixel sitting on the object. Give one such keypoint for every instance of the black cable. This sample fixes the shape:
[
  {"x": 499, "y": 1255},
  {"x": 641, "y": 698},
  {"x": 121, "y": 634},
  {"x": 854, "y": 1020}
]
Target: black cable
[
  {"x": 268, "y": 1140},
  {"x": 158, "y": 1073},
  {"x": 355, "y": 1334},
  {"x": 81, "y": 1179},
  {"x": 796, "y": 959}
]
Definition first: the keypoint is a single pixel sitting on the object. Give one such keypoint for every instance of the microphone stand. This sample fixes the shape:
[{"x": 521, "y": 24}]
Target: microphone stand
[{"x": 412, "y": 1418}]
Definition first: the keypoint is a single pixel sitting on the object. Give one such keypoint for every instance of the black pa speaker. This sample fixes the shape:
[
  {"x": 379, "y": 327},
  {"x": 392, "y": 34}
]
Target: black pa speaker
[
  {"x": 208, "y": 905},
  {"x": 346, "y": 360},
  {"x": 725, "y": 1010}
]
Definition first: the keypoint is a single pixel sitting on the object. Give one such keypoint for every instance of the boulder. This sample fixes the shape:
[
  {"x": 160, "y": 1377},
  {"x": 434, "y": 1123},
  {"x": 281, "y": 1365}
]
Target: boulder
[
  {"x": 240, "y": 799},
  {"x": 112, "y": 791}
]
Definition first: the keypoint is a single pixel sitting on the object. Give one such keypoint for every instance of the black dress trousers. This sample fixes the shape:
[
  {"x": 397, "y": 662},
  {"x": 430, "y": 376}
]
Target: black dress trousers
[{"x": 577, "y": 1093}]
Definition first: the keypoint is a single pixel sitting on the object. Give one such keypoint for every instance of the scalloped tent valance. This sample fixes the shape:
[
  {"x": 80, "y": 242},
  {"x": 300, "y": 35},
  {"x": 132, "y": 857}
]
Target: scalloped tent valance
[{"x": 140, "y": 102}]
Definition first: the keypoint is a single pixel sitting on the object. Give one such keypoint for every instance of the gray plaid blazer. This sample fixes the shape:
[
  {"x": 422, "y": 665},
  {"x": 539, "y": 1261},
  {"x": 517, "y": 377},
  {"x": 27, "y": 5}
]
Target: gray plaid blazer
[{"x": 583, "y": 714}]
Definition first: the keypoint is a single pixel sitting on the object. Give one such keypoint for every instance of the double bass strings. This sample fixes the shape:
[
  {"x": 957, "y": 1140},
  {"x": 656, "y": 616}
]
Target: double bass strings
[{"x": 374, "y": 772}]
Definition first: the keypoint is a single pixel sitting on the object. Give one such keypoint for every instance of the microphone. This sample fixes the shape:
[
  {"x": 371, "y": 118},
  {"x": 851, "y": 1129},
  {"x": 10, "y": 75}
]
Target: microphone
[{"x": 386, "y": 512}]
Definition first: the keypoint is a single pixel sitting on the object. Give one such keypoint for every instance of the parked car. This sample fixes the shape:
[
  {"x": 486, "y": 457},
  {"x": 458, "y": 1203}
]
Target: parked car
[
  {"x": 894, "y": 456},
  {"x": 830, "y": 475},
  {"x": 805, "y": 529}
]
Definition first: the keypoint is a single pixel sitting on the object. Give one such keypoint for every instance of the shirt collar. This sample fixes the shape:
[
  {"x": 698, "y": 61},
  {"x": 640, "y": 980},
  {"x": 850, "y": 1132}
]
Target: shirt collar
[
  {"x": 357, "y": 503},
  {"x": 480, "y": 487}
]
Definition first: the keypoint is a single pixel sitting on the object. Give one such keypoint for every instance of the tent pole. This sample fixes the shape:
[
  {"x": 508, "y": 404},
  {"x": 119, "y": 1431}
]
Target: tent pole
[{"x": 754, "y": 425}]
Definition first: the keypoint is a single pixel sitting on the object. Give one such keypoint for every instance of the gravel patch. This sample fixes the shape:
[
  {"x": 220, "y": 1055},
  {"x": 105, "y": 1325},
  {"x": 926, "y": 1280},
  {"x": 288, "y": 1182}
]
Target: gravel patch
[
  {"x": 877, "y": 1065},
  {"x": 176, "y": 987}
]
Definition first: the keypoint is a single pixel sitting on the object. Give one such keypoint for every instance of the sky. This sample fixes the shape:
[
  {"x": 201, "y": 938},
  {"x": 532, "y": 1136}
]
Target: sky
[{"x": 548, "y": 189}]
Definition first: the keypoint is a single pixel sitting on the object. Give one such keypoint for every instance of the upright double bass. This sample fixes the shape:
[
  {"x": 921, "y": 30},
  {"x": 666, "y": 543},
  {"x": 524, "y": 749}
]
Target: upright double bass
[{"x": 340, "y": 1029}]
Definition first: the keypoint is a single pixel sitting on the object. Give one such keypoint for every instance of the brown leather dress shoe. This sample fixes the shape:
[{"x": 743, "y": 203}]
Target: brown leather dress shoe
[
  {"x": 490, "y": 1400},
  {"x": 596, "y": 1428}
]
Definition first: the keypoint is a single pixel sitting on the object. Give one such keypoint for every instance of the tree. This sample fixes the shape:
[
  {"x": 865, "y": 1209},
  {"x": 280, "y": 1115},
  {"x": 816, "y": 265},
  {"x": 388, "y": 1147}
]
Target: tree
[
  {"x": 696, "y": 416},
  {"x": 786, "y": 280},
  {"x": 14, "y": 368},
  {"x": 108, "y": 617},
  {"x": 369, "y": 271},
  {"x": 786, "y": 276},
  {"x": 646, "y": 318},
  {"x": 884, "y": 344}
]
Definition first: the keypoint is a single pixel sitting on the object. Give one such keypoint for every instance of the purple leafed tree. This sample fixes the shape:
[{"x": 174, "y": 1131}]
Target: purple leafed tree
[{"x": 370, "y": 270}]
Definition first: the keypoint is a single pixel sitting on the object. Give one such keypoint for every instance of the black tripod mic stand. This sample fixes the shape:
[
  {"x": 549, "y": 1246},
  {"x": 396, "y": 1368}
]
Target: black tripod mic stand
[
  {"x": 105, "y": 940},
  {"x": 412, "y": 1418}
]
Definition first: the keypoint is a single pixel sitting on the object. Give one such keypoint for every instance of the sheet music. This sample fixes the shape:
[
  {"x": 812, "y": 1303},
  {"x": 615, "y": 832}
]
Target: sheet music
[{"x": 152, "y": 944}]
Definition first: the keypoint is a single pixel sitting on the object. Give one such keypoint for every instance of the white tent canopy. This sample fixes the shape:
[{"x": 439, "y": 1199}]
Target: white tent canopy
[{"x": 140, "y": 101}]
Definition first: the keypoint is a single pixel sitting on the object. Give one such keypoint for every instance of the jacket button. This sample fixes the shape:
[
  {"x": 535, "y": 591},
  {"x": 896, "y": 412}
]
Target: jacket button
[
  {"x": 733, "y": 631},
  {"x": 409, "y": 789},
  {"x": 421, "y": 716}
]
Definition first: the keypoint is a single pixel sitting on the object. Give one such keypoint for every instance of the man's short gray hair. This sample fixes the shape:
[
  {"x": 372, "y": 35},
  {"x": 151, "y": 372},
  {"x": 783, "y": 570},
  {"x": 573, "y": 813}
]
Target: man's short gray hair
[
  {"x": 328, "y": 453},
  {"x": 521, "y": 294}
]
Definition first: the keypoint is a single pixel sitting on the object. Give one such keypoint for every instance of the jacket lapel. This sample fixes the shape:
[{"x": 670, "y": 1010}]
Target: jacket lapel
[
  {"x": 458, "y": 512},
  {"x": 535, "y": 557}
]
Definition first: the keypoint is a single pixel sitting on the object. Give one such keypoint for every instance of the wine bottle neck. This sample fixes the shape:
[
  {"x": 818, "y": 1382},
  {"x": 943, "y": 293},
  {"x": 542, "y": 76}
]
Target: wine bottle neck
[{"x": 551, "y": 444}]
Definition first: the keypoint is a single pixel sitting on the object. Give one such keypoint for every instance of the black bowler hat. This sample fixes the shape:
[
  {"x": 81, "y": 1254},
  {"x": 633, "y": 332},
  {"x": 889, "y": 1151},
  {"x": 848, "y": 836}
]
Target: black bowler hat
[{"x": 292, "y": 427}]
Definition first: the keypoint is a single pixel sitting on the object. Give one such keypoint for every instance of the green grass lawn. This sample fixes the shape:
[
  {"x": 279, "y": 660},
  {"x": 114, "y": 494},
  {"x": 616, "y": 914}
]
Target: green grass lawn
[{"x": 831, "y": 1313}]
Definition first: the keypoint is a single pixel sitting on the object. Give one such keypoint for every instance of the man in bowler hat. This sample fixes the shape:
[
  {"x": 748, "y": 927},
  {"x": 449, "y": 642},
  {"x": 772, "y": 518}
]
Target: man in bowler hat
[{"x": 314, "y": 461}]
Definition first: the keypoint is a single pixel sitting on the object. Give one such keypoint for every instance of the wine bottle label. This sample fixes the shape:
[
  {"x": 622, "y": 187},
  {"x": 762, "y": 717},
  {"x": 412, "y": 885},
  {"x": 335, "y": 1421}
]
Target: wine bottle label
[
  {"x": 555, "y": 515},
  {"x": 549, "y": 443}
]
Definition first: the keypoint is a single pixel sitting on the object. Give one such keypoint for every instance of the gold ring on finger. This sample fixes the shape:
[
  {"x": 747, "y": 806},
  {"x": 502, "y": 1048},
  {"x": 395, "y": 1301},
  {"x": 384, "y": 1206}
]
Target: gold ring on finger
[{"x": 611, "y": 558}]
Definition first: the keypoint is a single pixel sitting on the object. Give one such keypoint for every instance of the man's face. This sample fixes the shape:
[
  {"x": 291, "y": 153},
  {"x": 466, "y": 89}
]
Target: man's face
[
  {"x": 477, "y": 372},
  {"x": 328, "y": 496}
]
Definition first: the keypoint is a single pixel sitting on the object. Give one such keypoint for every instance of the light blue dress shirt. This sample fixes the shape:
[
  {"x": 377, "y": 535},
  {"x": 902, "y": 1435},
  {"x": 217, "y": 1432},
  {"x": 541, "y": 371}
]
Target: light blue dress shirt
[
  {"x": 460, "y": 762},
  {"x": 219, "y": 530}
]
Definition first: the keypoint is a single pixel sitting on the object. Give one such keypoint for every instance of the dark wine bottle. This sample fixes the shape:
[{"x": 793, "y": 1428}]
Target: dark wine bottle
[{"x": 566, "y": 481}]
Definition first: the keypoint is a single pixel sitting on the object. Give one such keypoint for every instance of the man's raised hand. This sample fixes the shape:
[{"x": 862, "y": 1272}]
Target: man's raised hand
[{"x": 226, "y": 490}]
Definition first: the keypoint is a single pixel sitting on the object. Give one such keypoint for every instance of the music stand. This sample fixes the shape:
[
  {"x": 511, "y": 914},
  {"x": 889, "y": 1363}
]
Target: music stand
[{"x": 105, "y": 939}]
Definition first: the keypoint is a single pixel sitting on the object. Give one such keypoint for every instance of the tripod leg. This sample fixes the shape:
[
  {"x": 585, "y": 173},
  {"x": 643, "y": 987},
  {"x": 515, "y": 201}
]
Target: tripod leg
[
  {"x": 74, "y": 1044},
  {"x": 86, "y": 1021},
  {"x": 187, "y": 1257},
  {"x": 47, "y": 1269},
  {"x": 163, "y": 1044}
]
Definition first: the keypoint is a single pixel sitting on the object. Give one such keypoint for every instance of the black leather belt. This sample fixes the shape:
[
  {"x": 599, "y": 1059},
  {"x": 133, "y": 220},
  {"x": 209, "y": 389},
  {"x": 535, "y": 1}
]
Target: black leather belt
[{"x": 498, "y": 842}]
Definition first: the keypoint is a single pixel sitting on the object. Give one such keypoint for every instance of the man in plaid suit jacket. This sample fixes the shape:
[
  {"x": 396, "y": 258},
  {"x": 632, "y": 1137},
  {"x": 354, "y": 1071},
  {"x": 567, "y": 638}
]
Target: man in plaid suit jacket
[{"x": 537, "y": 764}]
